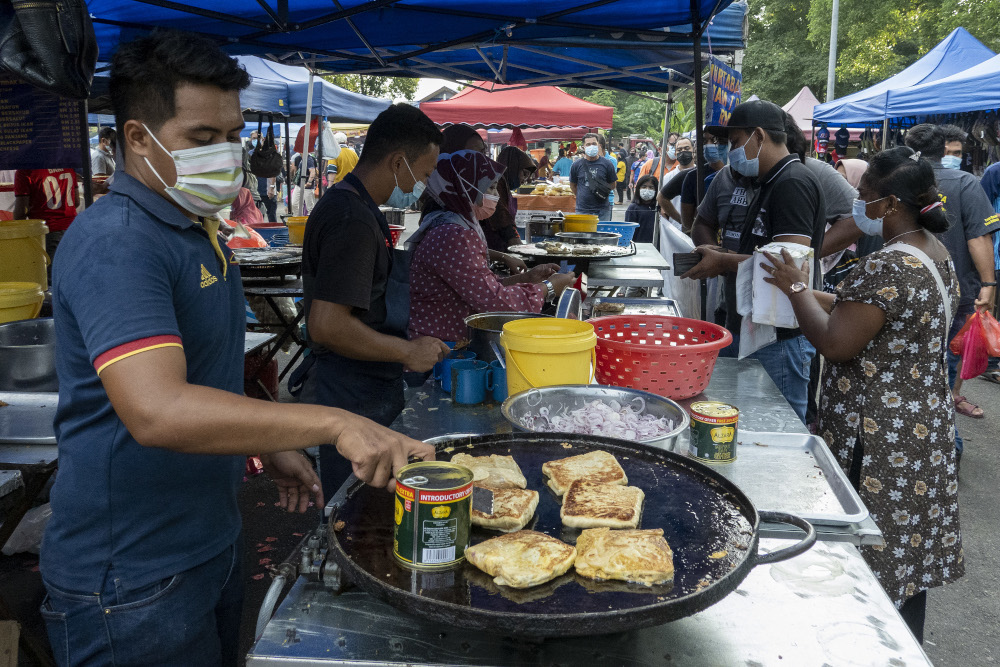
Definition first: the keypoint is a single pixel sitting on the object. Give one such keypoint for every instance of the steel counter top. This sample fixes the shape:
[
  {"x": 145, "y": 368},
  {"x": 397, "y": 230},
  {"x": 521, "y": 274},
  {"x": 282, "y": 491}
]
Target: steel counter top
[
  {"x": 430, "y": 412},
  {"x": 824, "y": 607}
]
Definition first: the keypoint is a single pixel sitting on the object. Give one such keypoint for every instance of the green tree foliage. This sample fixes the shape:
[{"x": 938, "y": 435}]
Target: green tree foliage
[
  {"x": 640, "y": 115},
  {"x": 788, "y": 42},
  {"x": 376, "y": 86}
]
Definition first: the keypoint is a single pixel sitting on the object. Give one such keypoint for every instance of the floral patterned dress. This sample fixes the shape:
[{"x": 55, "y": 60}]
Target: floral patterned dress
[{"x": 893, "y": 399}]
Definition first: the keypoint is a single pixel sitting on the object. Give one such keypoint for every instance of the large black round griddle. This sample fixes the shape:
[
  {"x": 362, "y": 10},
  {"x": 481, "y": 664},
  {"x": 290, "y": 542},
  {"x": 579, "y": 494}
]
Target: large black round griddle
[{"x": 700, "y": 512}]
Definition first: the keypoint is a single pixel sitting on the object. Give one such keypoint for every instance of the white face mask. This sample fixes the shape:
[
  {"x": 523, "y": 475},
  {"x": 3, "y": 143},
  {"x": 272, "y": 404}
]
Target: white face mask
[
  {"x": 208, "y": 177},
  {"x": 869, "y": 226},
  {"x": 647, "y": 193}
]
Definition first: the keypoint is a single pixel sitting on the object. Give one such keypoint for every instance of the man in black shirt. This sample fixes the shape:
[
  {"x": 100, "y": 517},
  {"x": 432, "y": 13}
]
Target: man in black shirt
[
  {"x": 346, "y": 262},
  {"x": 592, "y": 180},
  {"x": 787, "y": 206}
]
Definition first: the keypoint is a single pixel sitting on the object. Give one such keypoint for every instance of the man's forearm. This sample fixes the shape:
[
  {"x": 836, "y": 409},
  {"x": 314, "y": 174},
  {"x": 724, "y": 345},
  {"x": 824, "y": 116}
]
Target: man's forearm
[
  {"x": 703, "y": 233},
  {"x": 840, "y": 236},
  {"x": 352, "y": 338},
  {"x": 981, "y": 250}
]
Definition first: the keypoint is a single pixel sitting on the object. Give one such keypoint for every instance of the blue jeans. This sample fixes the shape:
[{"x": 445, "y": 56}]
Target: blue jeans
[
  {"x": 191, "y": 618},
  {"x": 603, "y": 214},
  {"x": 787, "y": 362},
  {"x": 956, "y": 324}
]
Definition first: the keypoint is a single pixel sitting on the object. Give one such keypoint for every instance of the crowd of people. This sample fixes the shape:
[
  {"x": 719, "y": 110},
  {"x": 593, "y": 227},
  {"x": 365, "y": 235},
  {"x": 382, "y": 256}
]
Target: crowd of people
[{"x": 151, "y": 372}]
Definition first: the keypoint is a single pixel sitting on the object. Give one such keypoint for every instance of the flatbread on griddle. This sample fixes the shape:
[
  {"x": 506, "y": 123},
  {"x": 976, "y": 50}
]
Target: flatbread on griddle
[
  {"x": 596, "y": 466},
  {"x": 512, "y": 510},
  {"x": 590, "y": 505},
  {"x": 523, "y": 559},
  {"x": 640, "y": 556},
  {"x": 493, "y": 471}
]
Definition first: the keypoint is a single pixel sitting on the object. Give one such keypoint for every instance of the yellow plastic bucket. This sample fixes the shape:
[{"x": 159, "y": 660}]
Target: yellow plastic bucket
[
  {"x": 546, "y": 351},
  {"x": 296, "y": 228},
  {"x": 20, "y": 301},
  {"x": 579, "y": 222},
  {"x": 22, "y": 251}
]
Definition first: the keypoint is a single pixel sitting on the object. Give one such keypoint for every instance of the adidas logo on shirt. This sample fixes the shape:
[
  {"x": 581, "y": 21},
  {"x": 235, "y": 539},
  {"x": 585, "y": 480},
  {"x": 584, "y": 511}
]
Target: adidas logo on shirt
[{"x": 206, "y": 277}]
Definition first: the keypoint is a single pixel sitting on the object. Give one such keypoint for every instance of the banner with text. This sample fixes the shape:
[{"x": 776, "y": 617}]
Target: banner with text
[
  {"x": 38, "y": 130},
  {"x": 725, "y": 91}
]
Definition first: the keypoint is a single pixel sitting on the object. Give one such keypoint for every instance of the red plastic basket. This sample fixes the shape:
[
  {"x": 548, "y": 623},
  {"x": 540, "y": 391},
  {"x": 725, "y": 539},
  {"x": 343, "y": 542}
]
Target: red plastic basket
[
  {"x": 396, "y": 231},
  {"x": 669, "y": 356}
]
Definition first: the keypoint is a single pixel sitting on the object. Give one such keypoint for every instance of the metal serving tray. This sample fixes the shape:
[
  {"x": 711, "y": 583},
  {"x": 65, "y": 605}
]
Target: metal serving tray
[
  {"x": 802, "y": 458},
  {"x": 27, "y": 418},
  {"x": 638, "y": 306}
]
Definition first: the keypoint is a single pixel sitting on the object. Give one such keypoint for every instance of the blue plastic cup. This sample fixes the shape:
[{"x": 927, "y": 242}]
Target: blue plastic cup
[
  {"x": 468, "y": 381},
  {"x": 498, "y": 381},
  {"x": 445, "y": 375}
]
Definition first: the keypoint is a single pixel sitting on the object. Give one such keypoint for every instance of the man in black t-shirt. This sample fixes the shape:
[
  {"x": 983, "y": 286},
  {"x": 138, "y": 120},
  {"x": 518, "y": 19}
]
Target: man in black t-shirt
[
  {"x": 347, "y": 259},
  {"x": 592, "y": 180},
  {"x": 787, "y": 206}
]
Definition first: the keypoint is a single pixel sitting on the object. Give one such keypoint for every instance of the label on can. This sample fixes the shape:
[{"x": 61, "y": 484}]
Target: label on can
[
  {"x": 713, "y": 431},
  {"x": 432, "y": 514}
]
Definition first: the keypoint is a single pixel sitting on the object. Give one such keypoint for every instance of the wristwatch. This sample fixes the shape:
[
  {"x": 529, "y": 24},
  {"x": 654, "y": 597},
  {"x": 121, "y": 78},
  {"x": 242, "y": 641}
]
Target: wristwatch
[
  {"x": 798, "y": 287},
  {"x": 550, "y": 291}
]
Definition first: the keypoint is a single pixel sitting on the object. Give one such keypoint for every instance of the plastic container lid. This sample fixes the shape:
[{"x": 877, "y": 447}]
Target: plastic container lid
[
  {"x": 19, "y": 229},
  {"x": 15, "y": 295}
]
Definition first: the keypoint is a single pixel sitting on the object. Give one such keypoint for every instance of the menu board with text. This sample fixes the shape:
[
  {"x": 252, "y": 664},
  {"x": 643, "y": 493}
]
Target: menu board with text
[{"x": 38, "y": 130}]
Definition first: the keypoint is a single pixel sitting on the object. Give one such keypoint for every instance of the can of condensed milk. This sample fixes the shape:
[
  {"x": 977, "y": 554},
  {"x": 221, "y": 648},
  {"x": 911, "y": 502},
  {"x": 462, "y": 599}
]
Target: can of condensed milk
[
  {"x": 433, "y": 515},
  {"x": 713, "y": 431}
]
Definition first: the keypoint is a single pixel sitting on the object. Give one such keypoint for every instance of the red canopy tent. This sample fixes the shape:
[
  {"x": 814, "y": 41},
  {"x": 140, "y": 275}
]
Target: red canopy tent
[
  {"x": 494, "y": 105},
  {"x": 536, "y": 134}
]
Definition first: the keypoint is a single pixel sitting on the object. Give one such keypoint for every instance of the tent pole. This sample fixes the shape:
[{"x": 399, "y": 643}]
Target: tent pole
[
  {"x": 321, "y": 168},
  {"x": 88, "y": 175},
  {"x": 288, "y": 168},
  {"x": 663, "y": 149},
  {"x": 699, "y": 103},
  {"x": 306, "y": 145},
  {"x": 885, "y": 133}
]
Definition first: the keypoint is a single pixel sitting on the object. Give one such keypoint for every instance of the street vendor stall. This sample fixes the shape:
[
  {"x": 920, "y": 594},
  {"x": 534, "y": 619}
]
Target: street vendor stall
[{"x": 772, "y": 618}]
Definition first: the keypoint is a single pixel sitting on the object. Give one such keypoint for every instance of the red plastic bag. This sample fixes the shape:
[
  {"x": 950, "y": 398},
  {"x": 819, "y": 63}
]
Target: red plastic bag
[
  {"x": 991, "y": 330},
  {"x": 975, "y": 356},
  {"x": 959, "y": 340}
]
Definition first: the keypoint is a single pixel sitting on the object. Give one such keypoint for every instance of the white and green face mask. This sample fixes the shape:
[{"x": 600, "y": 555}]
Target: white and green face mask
[{"x": 208, "y": 177}]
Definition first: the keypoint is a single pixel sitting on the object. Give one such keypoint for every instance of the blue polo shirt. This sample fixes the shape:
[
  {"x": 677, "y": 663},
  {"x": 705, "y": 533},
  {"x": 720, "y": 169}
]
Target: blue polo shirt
[{"x": 133, "y": 273}]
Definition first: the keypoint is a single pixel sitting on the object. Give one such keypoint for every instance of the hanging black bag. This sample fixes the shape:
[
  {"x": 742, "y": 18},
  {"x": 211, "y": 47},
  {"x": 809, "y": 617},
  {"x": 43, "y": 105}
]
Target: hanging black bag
[
  {"x": 50, "y": 44},
  {"x": 265, "y": 161}
]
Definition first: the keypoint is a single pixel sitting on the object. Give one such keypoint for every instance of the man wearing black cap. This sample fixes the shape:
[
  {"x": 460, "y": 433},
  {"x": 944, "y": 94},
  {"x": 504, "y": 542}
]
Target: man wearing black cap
[{"x": 783, "y": 203}]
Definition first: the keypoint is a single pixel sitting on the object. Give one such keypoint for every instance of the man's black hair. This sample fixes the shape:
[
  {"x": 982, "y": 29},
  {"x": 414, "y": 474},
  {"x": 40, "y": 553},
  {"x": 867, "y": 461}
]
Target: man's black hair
[
  {"x": 590, "y": 135},
  {"x": 953, "y": 133},
  {"x": 673, "y": 134},
  {"x": 107, "y": 133},
  {"x": 400, "y": 127},
  {"x": 928, "y": 139},
  {"x": 795, "y": 140},
  {"x": 562, "y": 152},
  {"x": 146, "y": 72}
]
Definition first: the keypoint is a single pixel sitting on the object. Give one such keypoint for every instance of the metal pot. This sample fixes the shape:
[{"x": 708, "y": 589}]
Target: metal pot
[
  {"x": 485, "y": 328},
  {"x": 542, "y": 226},
  {"x": 394, "y": 216},
  {"x": 573, "y": 396},
  {"x": 28, "y": 356}
]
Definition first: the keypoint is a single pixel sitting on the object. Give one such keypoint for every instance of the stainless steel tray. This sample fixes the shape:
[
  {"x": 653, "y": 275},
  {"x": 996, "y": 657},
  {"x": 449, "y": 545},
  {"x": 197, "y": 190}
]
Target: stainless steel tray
[
  {"x": 27, "y": 418},
  {"x": 638, "y": 306},
  {"x": 802, "y": 458}
]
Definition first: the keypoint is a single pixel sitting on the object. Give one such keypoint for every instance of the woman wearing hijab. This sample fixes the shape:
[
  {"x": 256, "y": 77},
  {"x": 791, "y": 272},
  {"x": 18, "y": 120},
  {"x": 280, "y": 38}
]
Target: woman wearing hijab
[
  {"x": 852, "y": 169},
  {"x": 450, "y": 276}
]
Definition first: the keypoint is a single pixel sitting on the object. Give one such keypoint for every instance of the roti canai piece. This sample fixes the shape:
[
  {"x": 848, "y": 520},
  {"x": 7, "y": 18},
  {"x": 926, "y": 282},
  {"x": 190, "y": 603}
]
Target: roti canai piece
[
  {"x": 493, "y": 471},
  {"x": 590, "y": 505},
  {"x": 596, "y": 466},
  {"x": 512, "y": 510},
  {"x": 523, "y": 559},
  {"x": 639, "y": 556}
]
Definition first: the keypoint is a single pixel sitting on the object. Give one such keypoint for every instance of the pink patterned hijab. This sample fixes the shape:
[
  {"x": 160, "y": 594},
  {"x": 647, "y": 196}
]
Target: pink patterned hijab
[{"x": 459, "y": 181}]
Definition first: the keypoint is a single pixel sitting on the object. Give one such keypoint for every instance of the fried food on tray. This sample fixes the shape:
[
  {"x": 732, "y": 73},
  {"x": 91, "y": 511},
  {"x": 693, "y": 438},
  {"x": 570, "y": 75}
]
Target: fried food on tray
[
  {"x": 586, "y": 249},
  {"x": 596, "y": 466},
  {"x": 522, "y": 559},
  {"x": 512, "y": 510},
  {"x": 609, "y": 308},
  {"x": 493, "y": 471},
  {"x": 639, "y": 556},
  {"x": 590, "y": 505}
]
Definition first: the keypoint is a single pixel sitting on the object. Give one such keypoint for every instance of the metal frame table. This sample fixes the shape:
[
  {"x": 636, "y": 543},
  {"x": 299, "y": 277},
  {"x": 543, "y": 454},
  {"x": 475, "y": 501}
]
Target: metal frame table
[{"x": 289, "y": 328}]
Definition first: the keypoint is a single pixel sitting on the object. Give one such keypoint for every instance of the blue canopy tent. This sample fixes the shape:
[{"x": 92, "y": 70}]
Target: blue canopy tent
[
  {"x": 957, "y": 52},
  {"x": 974, "y": 89}
]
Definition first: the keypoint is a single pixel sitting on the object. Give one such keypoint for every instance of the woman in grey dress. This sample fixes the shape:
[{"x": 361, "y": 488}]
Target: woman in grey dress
[{"x": 886, "y": 410}]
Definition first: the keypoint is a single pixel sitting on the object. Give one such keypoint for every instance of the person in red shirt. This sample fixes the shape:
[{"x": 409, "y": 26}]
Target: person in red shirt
[{"x": 49, "y": 195}]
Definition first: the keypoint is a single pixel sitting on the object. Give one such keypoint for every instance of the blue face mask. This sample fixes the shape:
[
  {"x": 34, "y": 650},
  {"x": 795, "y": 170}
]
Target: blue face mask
[
  {"x": 400, "y": 199},
  {"x": 951, "y": 162},
  {"x": 671, "y": 152},
  {"x": 749, "y": 167},
  {"x": 591, "y": 150},
  {"x": 714, "y": 153},
  {"x": 865, "y": 224}
]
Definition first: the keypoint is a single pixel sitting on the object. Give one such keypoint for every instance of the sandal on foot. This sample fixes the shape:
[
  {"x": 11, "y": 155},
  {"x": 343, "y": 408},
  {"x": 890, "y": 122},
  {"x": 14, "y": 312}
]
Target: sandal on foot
[
  {"x": 972, "y": 410},
  {"x": 991, "y": 376}
]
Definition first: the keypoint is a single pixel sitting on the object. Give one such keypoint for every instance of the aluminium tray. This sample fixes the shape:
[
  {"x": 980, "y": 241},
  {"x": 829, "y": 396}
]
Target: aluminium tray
[
  {"x": 639, "y": 306},
  {"x": 27, "y": 418},
  {"x": 802, "y": 458}
]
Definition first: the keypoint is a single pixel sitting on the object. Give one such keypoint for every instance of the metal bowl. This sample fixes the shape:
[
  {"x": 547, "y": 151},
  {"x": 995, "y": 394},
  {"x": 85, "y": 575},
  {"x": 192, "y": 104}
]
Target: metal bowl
[
  {"x": 487, "y": 327},
  {"x": 590, "y": 238},
  {"x": 28, "y": 356},
  {"x": 575, "y": 396}
]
